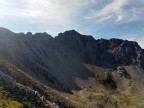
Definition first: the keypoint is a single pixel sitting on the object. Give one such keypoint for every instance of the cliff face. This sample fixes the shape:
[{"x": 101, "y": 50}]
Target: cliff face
[
  {"x": 71, "y": 61},
  {"x": 43, "y": 58},
  {"x": 106, "y": 53}
]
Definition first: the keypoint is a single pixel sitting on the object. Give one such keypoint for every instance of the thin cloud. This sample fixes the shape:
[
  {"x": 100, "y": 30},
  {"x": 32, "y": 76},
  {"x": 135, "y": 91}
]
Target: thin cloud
[
  {"x": 88, "y": 16},
  {"x": 119, "y": 11},
  {"x": 48, "y": 11}
]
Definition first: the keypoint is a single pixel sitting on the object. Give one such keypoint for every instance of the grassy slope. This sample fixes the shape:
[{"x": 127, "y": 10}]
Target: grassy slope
[
  {"x": 26, "y": 80},
  {"x": 98, "y": 94},
  {"x": 8, "y": 103},
  {"x": 110, "y": 100},
  {"x": 106, "y": 98}
]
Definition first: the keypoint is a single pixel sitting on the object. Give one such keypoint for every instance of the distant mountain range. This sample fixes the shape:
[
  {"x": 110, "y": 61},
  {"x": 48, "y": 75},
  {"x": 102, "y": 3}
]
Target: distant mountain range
[{"x": 70, "y": 71}]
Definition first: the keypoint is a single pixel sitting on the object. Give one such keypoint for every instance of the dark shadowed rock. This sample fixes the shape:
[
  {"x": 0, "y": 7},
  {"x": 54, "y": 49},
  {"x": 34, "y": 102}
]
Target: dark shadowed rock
[
  {"x": 7, "y": 81},
  {"x": 71, "y": 61},
  {"x": 107, "y": 53}
]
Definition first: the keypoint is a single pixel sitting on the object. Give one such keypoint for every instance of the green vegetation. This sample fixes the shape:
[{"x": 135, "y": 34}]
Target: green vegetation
[
  {"x": 25, "y": 81},
  {"x": 8, "y": 103},
  {"x": 22, "y": 87},
  {"x": 132, "y": 101}
]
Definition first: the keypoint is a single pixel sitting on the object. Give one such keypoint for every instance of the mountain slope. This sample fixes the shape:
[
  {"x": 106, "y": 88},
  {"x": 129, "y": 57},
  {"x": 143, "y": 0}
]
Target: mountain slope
[
  {"x": 73, "y": 68},
  {"x": 106, "y": 53},
  {"x": 29, "y": 92},
  {"x": 41, "y": 56}
]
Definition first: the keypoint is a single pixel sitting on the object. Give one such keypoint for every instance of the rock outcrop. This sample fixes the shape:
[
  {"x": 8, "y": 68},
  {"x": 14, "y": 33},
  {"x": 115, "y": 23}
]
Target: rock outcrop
[
  {"x": 106, "y": 53},
  {"x": 71, "y": 62},
  {"x": 7, "y": 81}
]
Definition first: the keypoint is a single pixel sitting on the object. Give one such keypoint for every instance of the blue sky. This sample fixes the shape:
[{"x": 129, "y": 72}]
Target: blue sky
[{"x": 99, "y": 18}]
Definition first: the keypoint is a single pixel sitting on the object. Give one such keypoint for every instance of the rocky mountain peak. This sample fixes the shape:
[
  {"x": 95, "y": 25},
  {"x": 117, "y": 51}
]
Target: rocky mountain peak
[
  {"x": 41, "y": 34},
  {"x": 70, "y": 34},
  {"x": 29, "y": 34},
  {"x": 2, "y": 29},
  {"x": 74, "y": 40},
  {"x": 103, "y": 52},
  {"x": 38, "y": 67}
]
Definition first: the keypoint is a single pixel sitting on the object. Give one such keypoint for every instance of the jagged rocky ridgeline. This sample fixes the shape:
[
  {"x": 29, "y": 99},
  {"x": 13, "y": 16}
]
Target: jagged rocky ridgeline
[
  {"x": 72, "y": 61},
  {"x": 106, "y": 53}
]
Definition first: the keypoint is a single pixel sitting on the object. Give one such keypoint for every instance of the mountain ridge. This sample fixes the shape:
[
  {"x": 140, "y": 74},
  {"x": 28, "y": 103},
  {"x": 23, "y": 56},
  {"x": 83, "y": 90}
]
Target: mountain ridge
[
  {"x": 81, "y": 42},
  {"x": 92, "y": 72}
]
